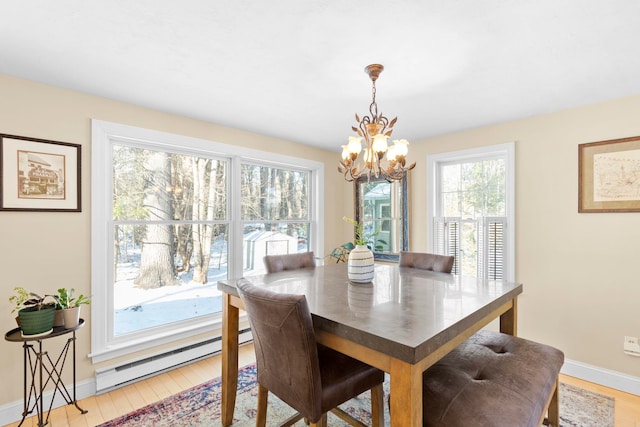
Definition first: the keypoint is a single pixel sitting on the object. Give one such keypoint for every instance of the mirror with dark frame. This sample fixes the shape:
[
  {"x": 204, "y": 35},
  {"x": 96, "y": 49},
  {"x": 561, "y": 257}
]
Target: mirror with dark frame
[{"x": 381, "y": 207}]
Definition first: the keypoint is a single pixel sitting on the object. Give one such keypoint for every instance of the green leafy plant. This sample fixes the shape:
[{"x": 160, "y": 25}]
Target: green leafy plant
[
  {"x": 19, "y": 298},
  {"x": 363, "y": 238},
  {"x": 66, "y": 299},
  {"x": 24, "y": 298}
]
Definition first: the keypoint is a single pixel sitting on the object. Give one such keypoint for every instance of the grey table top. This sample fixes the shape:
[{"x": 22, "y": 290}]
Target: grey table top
[{"x": 405, "y": 312}]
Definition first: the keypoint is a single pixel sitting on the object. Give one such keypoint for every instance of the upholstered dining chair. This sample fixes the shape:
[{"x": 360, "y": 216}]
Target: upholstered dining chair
[
  {"x": 426, "y": 261},
  {"x": 307, "y": 376},
  {"x": 275, "y": 263}
]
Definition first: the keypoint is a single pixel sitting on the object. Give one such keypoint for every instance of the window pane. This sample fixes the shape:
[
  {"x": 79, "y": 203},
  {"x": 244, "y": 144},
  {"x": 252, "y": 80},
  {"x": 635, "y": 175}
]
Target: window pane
[
  {"x": 261, "y": 239},
  {"x": 270, "y": 193},
  {"x": 450, "y": 178},
  {"x": 376, "y": 199},
  {"x": 155, "y": 185},
  {"x": 384, "y": 235},
  {"x": 170, "y": 295},
  {"x": 469, "y": 248}
]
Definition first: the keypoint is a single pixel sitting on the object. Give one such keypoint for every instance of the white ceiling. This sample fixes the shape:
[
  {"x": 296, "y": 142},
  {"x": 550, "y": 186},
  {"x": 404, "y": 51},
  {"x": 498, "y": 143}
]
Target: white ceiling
[{"x": 294, "y": 69}]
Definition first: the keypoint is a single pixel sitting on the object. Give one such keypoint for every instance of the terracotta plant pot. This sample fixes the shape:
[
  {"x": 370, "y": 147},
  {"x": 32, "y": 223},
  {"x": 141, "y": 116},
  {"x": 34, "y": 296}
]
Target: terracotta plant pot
[{"x": 58, "y": 318}]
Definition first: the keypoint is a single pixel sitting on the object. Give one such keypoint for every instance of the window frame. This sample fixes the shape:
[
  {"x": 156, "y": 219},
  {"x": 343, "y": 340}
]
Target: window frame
[
  {"x": 506, "y": 151},
  {"x": 104, "y": 136}
]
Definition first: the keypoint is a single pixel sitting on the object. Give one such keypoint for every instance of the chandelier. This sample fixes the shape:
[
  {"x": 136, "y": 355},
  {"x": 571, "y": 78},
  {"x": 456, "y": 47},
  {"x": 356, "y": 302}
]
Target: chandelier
[{"x": 375, "y": 129}]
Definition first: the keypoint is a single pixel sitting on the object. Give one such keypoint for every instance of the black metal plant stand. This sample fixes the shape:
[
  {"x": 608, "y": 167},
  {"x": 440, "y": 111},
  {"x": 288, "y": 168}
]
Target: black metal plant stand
[{"x": 40, "y": 370}]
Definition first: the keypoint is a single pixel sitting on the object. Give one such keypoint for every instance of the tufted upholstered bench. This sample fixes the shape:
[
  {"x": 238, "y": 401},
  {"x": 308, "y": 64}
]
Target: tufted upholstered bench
[{"x": 493, "y": 380}]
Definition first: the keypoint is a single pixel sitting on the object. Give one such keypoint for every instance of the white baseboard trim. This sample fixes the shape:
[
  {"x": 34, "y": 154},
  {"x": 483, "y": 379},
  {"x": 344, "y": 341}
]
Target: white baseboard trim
[
  {"x": 605, "y": 377},
  {"x": 12, "y": 412}
]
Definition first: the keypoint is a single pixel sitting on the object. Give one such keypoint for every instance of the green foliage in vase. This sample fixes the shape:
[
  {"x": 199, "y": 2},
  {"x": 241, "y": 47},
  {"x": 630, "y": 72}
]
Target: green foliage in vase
[{"x": 364, "y": 239}]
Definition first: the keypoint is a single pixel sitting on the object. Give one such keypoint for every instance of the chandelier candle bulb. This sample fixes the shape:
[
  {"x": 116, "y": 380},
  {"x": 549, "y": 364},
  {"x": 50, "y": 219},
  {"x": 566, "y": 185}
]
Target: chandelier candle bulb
[
  {"x": 375, "y": 129},
  {"x": 380, "y": 143},
  {"x": 355, "y": 145}
]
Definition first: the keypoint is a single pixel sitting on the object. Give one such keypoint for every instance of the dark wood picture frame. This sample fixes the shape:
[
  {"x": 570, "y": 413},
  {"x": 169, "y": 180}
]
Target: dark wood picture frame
[
  {"x": 609, "y": 176},
  {"x": 39, "y": 175}
]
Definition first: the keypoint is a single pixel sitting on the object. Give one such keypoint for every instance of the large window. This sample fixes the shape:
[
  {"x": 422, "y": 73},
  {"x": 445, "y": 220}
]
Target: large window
[
  {"x": 173, "y": 215},
  {"x": 472, "y": 210}
]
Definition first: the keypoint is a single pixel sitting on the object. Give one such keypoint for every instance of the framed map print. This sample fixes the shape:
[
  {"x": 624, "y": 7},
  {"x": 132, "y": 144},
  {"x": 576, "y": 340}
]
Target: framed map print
[{"x": 609, "y": 176}]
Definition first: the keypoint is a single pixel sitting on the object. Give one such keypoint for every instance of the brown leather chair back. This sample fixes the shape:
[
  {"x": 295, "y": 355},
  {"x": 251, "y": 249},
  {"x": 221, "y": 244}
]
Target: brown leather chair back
[
  {"x": 275, "y": 263},
  {"x": 426, "y": 261},
  {"x": 285, "y": 346}
]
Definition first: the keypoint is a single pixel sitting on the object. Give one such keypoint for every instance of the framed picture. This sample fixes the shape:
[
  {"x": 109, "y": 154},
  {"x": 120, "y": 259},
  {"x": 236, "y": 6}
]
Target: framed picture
[
  {"x": 39, "y": 175},
  {"x": 609, "y": 176}
]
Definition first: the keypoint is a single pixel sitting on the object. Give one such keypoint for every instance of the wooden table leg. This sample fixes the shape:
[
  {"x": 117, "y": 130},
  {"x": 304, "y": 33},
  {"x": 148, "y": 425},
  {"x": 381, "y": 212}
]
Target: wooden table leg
[
  {"x": 509, "y": 320},
  {"x": 230, "y": 324},
  {"x": 406, "y": 394}
]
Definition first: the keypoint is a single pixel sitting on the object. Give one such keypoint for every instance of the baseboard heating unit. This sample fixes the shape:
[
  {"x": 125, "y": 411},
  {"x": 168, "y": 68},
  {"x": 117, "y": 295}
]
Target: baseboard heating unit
[{"x": 113, "y": 377}]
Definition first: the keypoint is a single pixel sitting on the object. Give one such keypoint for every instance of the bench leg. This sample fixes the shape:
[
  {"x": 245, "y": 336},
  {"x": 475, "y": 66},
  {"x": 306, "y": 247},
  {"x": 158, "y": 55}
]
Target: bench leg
[{"x": 553, "y": 411}]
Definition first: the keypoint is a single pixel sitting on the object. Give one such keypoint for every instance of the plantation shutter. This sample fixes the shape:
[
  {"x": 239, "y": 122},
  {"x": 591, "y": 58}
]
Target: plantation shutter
[
  {"x": 495, "y": 247},
  {"x": 447, "y": 239},
  {"x": 491, "y": 244}
]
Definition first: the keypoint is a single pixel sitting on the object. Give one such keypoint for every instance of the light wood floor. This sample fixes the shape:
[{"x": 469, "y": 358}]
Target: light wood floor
[{"x": 124, "y": 400}]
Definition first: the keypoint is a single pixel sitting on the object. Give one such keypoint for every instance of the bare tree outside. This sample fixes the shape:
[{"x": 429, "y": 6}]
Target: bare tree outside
[{"x": 157, "y": 267}]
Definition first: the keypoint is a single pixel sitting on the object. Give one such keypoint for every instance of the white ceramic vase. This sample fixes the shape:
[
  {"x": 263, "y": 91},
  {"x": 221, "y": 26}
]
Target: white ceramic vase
[{"x": 360, "y": 265}]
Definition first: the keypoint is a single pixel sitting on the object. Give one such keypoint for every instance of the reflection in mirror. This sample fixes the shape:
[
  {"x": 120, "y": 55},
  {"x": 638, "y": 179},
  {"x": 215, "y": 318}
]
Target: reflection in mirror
[{"x": 381, "y": 207}]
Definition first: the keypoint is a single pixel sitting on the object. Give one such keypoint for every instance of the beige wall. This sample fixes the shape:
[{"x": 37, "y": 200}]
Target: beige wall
[
  {"x": 45, "y": 251},
  {"x": 580, "y": 271}
]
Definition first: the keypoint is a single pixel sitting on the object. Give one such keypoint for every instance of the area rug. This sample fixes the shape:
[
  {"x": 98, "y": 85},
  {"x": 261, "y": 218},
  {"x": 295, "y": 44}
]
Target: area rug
[{"x": 200, "y": 406}]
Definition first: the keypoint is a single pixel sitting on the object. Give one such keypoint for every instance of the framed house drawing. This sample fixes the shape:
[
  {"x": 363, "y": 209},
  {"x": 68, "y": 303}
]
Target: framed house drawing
[{"x": 39, "y": 175}]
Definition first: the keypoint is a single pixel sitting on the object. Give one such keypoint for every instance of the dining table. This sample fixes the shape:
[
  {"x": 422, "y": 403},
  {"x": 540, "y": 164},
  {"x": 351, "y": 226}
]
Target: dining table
[{"x": 402, "y": 322}]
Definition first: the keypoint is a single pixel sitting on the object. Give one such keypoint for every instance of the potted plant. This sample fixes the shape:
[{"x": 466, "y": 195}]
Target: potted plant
[
  {"x": 18, "y": 299},
  {"x": 71, "y": 306},
  {"x": 35, "y": 313},
  {"x": 360, "y": 267}
]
